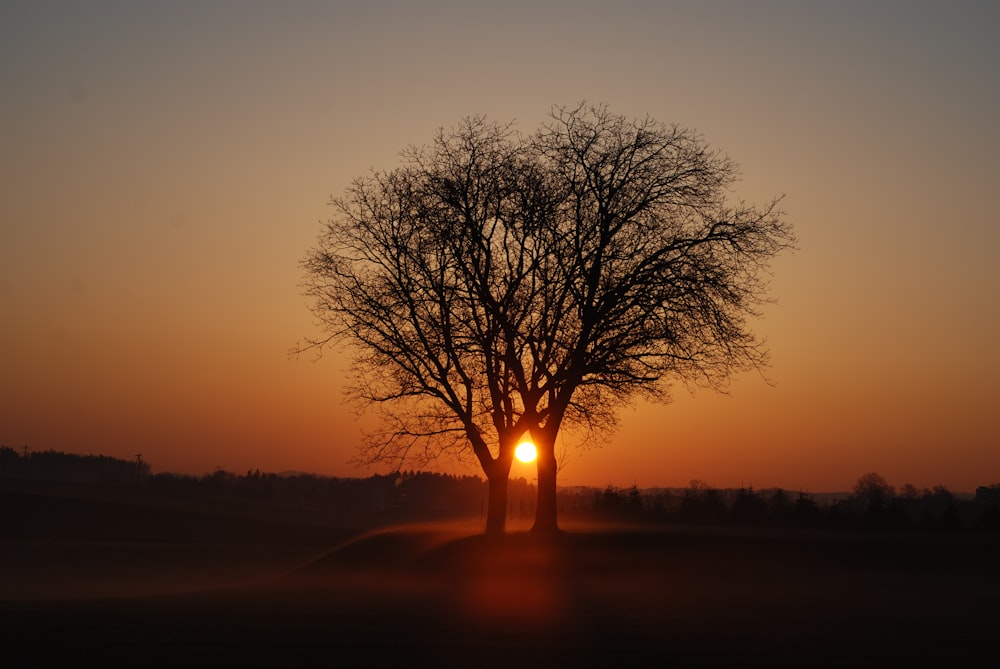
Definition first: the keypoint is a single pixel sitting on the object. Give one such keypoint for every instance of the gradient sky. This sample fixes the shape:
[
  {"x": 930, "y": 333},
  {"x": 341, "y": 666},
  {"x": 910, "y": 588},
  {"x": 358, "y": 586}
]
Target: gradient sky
[{"x": 165, "y": 166}]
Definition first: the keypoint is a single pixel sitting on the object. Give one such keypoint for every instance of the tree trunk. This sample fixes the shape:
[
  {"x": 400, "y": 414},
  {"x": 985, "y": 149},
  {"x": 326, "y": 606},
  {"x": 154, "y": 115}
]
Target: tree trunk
[
  {"x": 496, "y": 509},
  {"x": 545, "y": 509}
]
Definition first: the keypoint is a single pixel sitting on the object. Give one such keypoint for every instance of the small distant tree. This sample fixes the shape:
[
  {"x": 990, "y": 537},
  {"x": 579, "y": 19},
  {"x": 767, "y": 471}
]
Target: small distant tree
[
  {"x": 702, "y": 503},
  {"x": 875, "y": 491},
  {"x": 748, "y": 508},
  {"x": 498, "y": 285},
  {"x": 807, "y": 511}
]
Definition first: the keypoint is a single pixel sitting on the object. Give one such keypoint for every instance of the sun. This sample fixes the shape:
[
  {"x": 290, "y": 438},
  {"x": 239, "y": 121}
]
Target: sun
[{"x": 525, "y": 451}]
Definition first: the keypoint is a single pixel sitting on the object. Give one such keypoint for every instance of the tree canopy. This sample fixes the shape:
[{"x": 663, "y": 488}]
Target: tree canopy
[{"x": 496, "y": 285}]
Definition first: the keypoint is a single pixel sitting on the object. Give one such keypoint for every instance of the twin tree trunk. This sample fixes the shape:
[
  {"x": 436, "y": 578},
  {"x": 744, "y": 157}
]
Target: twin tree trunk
[
  {"x": 545, "y": 509},
  {"x": 497, "y": 477}
]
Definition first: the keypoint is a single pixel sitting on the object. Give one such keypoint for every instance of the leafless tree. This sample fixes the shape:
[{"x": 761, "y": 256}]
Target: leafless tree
[
  {"x": 874, "y": 491},
  {"x": 497, "y": 285}
]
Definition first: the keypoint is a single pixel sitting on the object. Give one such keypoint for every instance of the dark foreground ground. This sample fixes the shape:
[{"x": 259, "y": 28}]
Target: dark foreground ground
[{"x": 436, "y": 596}]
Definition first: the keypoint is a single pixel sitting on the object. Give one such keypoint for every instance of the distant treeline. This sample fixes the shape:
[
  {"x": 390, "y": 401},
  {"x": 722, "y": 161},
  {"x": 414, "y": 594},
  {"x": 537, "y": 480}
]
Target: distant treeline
[
  {"x": 411, "y": 495},
  {"x": 867, "y": 508},
  {"x": 427, "y": 494},
  {"x": 71, "y": 468}
]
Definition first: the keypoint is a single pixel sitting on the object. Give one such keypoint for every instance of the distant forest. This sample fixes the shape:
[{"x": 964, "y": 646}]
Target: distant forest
[{"x": 409, "y": 496}]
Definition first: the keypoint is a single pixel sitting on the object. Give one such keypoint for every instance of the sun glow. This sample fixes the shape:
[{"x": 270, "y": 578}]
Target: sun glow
[{"x": 525, "y": 451}]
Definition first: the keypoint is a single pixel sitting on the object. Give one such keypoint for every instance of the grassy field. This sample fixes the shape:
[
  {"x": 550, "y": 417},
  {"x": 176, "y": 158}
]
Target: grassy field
[{"x": 277, "y": 594}]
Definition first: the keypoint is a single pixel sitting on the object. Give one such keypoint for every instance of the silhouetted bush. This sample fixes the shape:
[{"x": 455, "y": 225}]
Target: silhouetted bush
[
  {"x": 702, "y": 504},
  {"x": 987, "y": 504},
  {"x": 618, "y": 504}
]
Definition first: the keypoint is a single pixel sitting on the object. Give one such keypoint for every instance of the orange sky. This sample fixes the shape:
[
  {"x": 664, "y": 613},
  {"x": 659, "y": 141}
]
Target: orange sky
[{"x": 165, "y": 167}]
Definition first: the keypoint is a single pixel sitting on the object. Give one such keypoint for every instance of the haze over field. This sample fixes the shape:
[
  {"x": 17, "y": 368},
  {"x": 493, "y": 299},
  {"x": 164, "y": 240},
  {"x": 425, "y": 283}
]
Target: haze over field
[{"x": 165, "y": 167}]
